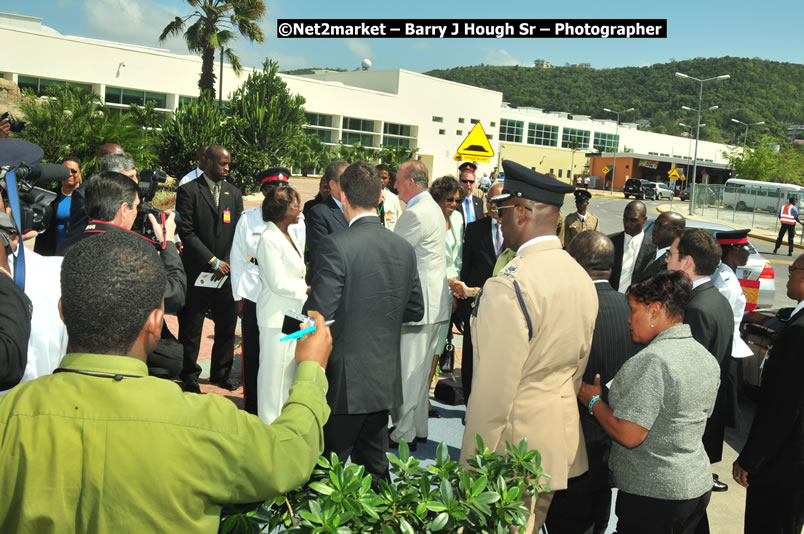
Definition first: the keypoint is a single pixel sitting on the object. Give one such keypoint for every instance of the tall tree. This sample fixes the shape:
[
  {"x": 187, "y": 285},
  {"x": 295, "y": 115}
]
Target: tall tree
[{"x": 213, "y": 28}]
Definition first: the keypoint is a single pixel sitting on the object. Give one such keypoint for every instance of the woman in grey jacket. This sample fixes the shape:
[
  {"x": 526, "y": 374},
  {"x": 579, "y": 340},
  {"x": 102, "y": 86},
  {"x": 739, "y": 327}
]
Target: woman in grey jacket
[{"x": 656, "y": 413}]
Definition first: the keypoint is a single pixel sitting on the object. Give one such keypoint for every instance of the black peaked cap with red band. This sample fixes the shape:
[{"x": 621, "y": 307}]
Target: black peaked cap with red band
[{"x": 273, "y": 176}]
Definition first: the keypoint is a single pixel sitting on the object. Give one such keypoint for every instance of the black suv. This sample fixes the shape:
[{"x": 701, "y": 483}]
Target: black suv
[{"x": 633, "y": 188}]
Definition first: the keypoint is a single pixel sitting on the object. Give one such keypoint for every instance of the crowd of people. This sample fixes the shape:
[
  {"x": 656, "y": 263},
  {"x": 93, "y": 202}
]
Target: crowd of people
[{"x": 614, "y": 355}]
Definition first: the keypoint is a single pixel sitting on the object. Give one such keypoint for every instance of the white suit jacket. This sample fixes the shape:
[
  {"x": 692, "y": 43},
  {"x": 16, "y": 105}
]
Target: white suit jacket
[
  {"x": 282, "y": 273},
  {"x": 423, "y": 226}
]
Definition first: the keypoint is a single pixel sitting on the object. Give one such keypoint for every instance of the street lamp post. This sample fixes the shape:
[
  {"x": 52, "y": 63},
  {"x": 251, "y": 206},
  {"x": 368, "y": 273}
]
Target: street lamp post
[
  {"x": 745, "y": 138},
  {"x": 698, "y": 129},
  {"x": 689, "y": 145},
  {"x": 617, "y": 148}
]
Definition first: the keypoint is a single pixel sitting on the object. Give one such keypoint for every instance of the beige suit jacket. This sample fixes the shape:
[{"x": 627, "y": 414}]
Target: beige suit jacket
[{"x": 528, "y": 387}]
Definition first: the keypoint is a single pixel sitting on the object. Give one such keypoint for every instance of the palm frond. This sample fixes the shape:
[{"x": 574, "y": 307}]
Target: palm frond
[{"x": 175, "y": 27}]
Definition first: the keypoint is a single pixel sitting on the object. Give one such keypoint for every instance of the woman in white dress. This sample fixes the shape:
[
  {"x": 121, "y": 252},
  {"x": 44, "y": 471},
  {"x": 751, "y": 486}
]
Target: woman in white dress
[
  {"x": 448, "y": 194},
  {"x": 281, "y": 263}
]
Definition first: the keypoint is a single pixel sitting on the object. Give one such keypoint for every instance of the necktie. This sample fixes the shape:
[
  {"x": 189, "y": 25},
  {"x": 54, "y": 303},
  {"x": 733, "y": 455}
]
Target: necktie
[
  {"x": 381, "y": 212},
  {"x": 499, "y": 240},
  {"x": 468, "y": 211},
  {"x": 216, "y": 194},
  {"x": 629, "y": 257}
]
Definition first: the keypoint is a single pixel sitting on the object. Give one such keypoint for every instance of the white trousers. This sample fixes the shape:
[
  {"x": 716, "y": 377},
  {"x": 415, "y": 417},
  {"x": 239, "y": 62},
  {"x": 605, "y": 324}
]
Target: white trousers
[
  {"x": 418, "y": 345},
  {"x": 277, "y": 371}
]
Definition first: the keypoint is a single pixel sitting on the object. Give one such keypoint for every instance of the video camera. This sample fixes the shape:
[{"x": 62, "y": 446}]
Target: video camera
[
  {"x": 34, "y": 201},
  {"x": 149, "y": 180},
  {"x": 16, "y": 126}
]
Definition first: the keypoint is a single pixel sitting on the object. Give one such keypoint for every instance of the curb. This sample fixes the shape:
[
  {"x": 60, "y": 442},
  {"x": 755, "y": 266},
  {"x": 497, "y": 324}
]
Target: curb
[{"x": 663, "y": 207}]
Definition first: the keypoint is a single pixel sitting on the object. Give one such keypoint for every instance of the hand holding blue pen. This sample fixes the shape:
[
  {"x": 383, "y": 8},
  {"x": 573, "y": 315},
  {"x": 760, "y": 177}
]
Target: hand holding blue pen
[{"x": 303, "y": 332}]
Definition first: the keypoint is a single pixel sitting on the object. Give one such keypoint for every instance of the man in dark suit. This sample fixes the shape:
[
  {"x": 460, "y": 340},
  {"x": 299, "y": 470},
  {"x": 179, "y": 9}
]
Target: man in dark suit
[
  {"x": 367, "y": 282},
  {"x": 709, "y": 315},
  {"x": 632, "y": 251},
  {"x": 210, "y": 208},
  {"x": 482, "y": 244},
  {"x": 78, "y": 213},
  {"x": 667, "y": 227},
  {"x": 326, "y": 217},
  {"x": 471, "y": 207},
  {"x": 771, "y": 464},
  {"x": 585, "y": 505}
]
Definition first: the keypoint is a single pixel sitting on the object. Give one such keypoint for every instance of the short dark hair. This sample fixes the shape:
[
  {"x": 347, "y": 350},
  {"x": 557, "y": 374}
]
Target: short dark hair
[
  {"x": 334, "y": 170},
  {"x": 71, "y": 158},
  {"x": 702, "y": 247},
  {"x": 444, "y": 187},
  {"x": 594, "y": 251},
  {"x": 110, "y": 283},
  {"x": 276, "y": 202},
  {"x": 383, "y": 167},
  {"x": 672, "y": 288},
  {"x": 106, "y": 192},
  {"x": 361, "y": 184}
]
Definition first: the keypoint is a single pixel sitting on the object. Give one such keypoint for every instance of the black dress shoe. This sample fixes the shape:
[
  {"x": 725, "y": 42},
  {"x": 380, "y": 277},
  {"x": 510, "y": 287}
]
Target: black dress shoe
[
  {"x": 190, "y": 386},
  {"x": 395, "y": 445},
  {"x": 229, "y": 384},
  {"x": 717, "y": 485},
  {"x": 421, "y": 440}
]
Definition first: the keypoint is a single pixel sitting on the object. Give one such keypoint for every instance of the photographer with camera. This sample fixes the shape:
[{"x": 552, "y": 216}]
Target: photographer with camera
[{"x": 15, "y": 314}]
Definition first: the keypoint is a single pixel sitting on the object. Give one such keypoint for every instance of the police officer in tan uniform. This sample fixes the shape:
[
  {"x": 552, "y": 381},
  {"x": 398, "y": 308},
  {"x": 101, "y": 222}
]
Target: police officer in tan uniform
[
  {"x": 581, "y": 220},
  {"x": 529, "y": 358}
]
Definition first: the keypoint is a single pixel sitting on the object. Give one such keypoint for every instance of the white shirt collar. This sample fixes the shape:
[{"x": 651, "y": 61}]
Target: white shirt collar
[
  {"x": 414, "y": 198},
  {"x": 639, "y": 237},
  {"x": 367, "y": 214},
  {"x": 700, "y": 281},
  {"x": 535, "y": 240},
  {"x": 600, "y": 281},
  {"x": 661, "y": 252},
  {"x": 337, "y": 202},
  {"x": 798, "y": 308}
]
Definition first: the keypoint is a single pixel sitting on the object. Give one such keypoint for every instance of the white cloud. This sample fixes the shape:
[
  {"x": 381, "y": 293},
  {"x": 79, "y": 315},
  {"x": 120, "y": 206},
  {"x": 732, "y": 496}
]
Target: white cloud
[
  {"x": 360, "y": 48},
  {"x": 500, "y": 56},
  {"x": 289, "y": 62},
  {"x": 133, "y": 22},
  {"x": 422, "y": 45}
]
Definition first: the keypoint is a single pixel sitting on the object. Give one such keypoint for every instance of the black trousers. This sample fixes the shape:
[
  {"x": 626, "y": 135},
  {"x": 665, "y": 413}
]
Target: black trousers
[
  {"x": 191, "y": 322},
  {"x": 250, "y": 343},
  {"x": 364, "y": 437},
  {"x": 791, "y": 235},
  {"x": 637, "y": 514},
  {"x": 467, "y": 365},
  {"x": 584, "y": 507},
  {"x": 772, "y": 510}
]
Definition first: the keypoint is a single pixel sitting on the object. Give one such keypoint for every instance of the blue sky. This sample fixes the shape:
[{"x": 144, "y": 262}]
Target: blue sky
[{"x": 702, "y": 28}]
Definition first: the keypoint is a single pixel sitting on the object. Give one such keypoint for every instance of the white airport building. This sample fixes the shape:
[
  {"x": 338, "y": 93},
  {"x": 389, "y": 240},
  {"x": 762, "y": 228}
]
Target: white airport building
[{"x": 372, "y": 107}]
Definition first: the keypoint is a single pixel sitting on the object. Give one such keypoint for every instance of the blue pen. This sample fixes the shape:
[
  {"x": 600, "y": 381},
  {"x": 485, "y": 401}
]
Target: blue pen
[{"x": 303, "y": 331}]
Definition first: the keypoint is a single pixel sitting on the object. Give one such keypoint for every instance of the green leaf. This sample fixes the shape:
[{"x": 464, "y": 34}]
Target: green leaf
[
  {"x": 488, "y": 497},
  {"x": 479, "y": 485},
  {"x": 321, "y": 488},
  {"x": 405, "y": 526},
  {"x": 439, "y": 522}
]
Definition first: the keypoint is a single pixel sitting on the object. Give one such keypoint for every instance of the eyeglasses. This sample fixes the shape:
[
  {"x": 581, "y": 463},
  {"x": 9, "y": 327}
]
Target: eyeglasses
[
  {"x": 467, "y": 181},
  {"x": 74, "y": 171},
  {"x": 456, "y": 200},
  {"x": 501, "y": 208},
  {"x": 792, "y": 268}
]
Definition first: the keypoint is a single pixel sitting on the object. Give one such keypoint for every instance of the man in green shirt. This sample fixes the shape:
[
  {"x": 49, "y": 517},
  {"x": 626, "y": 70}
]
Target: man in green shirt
[{"x": 99, "y": 446}]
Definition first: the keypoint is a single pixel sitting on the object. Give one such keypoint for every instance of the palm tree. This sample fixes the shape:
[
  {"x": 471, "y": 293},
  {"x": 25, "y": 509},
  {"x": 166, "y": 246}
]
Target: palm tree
[{"x": 213, "y": 28}]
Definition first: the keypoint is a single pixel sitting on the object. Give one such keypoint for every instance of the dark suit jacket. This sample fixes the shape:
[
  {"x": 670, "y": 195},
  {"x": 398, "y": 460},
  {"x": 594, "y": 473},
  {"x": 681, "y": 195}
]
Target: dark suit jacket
[
  {"x": 774, "y": 451},
  {"x": 655, "y": 267},
  {"x": 368, "y": 283},
  {"x": 323, "y": 219},
  {"x": 611, "y": 347},
  {"x": 78, "y": 212},
  {"x": 645, "y": 255},
  {"x": 203, "y": 228},
  {"x": 711, "y": 321},
  {"x": 478, "y": 262},
  {"x": 477, "y": 205}
]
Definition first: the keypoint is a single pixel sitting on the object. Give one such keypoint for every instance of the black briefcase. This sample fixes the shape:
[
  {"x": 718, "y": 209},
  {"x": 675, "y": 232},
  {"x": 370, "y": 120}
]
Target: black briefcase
[{"x": 449, "y": 392}]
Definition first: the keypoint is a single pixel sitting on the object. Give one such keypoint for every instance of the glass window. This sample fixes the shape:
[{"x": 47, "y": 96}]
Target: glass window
[
  {"x": 542, "y": 134},
  {"x": 396, "y": 141},
  {"x": 159, "y": 98},
  {"x": 474, "y": 121},
  {"x": 551, "y": 171},
  {"x": 493, "y": 124},
  {"x": 132, "y": 96},
  {"x": 490, "y": 137},
  {"x": 358, "y": 124},
  {"x": 511, "y": 130},
  {"x": 609, "y": 142},
  {"x": 442, "y": 132},
  {"x": 460, "y": 120},
  {"x": 570, "y": 135},
  {"x": 559, "y": 172},
  {"x": 438, "y": 119},
  {"x": 396, "y": 129},
  {"x": 27, "y": 82},
  {"x": 350, "y": 138},
  {"x": 458, "y": 132},
  {"x": 114, "y": 95},
  {"x": 317, "y": 119}
]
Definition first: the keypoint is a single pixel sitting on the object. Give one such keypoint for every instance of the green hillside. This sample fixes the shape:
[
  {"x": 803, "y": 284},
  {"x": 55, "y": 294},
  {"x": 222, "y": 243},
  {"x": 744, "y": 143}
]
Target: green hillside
[{"x": 759, "y": 90}]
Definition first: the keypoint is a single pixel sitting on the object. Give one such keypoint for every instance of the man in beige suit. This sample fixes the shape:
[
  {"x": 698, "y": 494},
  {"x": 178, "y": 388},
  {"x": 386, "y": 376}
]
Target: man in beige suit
[
  {"x": 422, "y": 225},
  {"x": 529, "y": 356}
]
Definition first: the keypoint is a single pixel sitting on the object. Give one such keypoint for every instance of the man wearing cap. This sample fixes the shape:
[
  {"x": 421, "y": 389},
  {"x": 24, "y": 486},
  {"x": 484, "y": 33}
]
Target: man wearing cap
[
  {"x": 472, "y": 206},
  {"x": 788, "y": 217},
  {"x": 210, "y": 208},
  {"x": 529, "y": 359},
  {"x": 246, "y": 283},
  {"x": 581, "y": 220}
]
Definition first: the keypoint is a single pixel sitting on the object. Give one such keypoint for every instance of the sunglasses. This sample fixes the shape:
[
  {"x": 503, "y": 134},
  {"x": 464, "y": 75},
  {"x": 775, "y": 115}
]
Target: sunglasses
[
  {"x": 792, "y": 268},
  {"x": 467, "y": 181},
  {"x": 74, "y": 171},
  {"x": 453, "y": 201}
]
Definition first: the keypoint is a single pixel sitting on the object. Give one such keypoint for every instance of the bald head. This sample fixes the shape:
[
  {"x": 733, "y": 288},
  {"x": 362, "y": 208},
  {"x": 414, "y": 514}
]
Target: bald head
[
  {"x": 634, "y": 217},
  {"x": 594, "y": 252},
  {"x": 494, "y": 190},
  {"x": 668, "y": 226},
  {"x": 110, "y": 148}
]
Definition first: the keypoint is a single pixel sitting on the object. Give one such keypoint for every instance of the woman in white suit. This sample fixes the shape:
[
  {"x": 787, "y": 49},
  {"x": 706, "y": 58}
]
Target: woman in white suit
[
  {"x": 448, "y": 194},
  {"x": 281, "y": 263}
]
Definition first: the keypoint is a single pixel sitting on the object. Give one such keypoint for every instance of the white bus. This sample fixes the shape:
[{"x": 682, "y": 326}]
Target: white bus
[{"x": 752, "y": 194}]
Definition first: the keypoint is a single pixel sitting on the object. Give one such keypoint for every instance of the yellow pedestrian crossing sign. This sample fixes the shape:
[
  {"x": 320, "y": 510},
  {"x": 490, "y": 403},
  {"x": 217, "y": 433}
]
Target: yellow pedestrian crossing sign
[
  {"x": 605, "y": 170},
  {"x": 475, "y": 147},
  {"x": 673, "y": 174}
]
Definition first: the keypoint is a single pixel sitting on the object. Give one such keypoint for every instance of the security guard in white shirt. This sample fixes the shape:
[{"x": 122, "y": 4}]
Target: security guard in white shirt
[{"x": 246, "y": 283}]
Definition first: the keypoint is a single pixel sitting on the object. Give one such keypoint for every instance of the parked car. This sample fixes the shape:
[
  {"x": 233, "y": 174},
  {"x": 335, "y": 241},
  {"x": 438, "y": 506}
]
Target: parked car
[
  {"x": 684, "y": 194},
  {"x": 756, "y": 277},
  {"x": 658, "y": 191},
  {"x": 633, "y": 188},
  {"x": 758, "y": 329}
]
